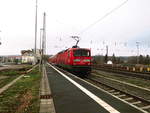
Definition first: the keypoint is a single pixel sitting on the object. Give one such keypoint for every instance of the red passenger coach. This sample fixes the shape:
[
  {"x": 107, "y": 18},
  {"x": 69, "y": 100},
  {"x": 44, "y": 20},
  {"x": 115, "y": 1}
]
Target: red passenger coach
[{"x": 74, "y": 59}]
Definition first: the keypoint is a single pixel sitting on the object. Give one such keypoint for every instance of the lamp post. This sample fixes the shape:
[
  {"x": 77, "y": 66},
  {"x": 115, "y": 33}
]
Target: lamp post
[
  {"x": 35, "y": 27},
  {"x": 41, "y": 31},
  {"x": 35, "y": 57},
  {"x": 44, "y": 37}
]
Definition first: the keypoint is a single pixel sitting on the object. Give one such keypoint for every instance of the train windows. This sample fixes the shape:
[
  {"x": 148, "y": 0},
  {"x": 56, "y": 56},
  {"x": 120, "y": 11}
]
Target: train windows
[{"x": 81, "y": 52}]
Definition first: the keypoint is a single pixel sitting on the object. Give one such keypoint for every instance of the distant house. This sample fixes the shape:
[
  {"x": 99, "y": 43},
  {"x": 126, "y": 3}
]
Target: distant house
[
  {"x": 16, "y": 59},
  {"x": 10, "y": 59},
  {"x": 28, "y": 56}
]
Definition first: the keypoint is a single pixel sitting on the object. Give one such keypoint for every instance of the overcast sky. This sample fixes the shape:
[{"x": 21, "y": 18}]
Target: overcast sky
[{"x": 120, "y": 30}]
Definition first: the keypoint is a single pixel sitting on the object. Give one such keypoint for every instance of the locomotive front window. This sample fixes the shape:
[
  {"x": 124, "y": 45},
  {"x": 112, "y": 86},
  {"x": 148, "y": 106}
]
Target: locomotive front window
[{"x": 81, "y": 53}]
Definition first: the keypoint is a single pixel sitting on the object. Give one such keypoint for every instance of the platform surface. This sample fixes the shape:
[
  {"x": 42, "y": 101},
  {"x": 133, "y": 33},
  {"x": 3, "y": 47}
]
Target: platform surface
[{"x": 68, "y": 98}]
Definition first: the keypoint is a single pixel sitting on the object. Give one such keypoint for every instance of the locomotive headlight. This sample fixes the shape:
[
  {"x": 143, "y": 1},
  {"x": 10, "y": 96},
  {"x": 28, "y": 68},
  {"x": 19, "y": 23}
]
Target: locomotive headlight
[
  {"x": 76, "y": 60},
  {"x": 86, "y": 60}
]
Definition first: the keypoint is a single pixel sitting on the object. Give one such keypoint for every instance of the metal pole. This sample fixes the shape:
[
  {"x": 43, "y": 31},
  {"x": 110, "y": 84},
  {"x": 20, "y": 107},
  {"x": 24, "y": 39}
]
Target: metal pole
[
  {"x": 35, "y": 57},
  {"x": 44, "y": 33},
  {"x": 107, "y": 50},
  {"x": 40, "y": 49},
  {"x": 137, "y": 44},
  {"x": 41, "y": 30},
  {"x": 44, "y": 36},
  {"x": 106, "y": 57},
  {"x": 35, "y": 26}
]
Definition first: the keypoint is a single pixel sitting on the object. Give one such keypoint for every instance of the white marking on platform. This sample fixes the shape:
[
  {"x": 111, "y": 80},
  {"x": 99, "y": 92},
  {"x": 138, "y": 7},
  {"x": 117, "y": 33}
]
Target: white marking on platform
[{"x": 91, "y": 95}]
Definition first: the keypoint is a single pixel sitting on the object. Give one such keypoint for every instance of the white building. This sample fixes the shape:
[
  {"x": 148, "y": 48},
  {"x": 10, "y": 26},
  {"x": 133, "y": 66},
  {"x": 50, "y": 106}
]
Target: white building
[{"x": 27, "y": 56}]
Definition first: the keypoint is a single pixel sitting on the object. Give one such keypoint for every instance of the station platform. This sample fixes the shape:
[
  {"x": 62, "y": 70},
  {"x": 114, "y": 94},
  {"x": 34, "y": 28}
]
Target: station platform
[{"x": 72, "y": 95}]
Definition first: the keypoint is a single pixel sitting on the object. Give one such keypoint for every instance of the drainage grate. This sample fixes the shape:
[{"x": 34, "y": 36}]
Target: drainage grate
[{"x": 46, "y": 96}]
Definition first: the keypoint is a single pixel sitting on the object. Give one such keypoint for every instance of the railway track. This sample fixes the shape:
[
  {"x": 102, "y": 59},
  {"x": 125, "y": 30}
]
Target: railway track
[
  {"x": 145, "y": 76},
  {"x": 129, "y": 98},
  {"x": 17, "y": 95},
  {"x": 9, "y": 82}
]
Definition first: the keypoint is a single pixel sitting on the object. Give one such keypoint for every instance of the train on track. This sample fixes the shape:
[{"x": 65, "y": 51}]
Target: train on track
[{"x": 73, "y": 59}]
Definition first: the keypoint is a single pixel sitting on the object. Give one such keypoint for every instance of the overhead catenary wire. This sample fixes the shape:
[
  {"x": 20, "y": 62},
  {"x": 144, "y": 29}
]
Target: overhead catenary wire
[
  {"x": 107, "y": 14},
  {"x": 91, "y": 25},
  {"x": 103, "y": 17}
]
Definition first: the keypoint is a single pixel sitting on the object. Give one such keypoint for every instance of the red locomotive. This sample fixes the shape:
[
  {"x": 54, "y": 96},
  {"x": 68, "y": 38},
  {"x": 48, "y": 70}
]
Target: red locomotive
[{"x": 74, "y": 59}]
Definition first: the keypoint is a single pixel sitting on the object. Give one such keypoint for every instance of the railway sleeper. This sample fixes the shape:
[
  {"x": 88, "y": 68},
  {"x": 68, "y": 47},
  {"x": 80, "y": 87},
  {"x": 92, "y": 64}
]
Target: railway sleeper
[
  {"x": 137, "y": 102},
  {"x": 146, "y": 107},
  {"x": 115, "y": 93},
  {"x": 111, "y": 91},
  {"x": 123, "y": 95},
  {"x": 127, "y": 99}
]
